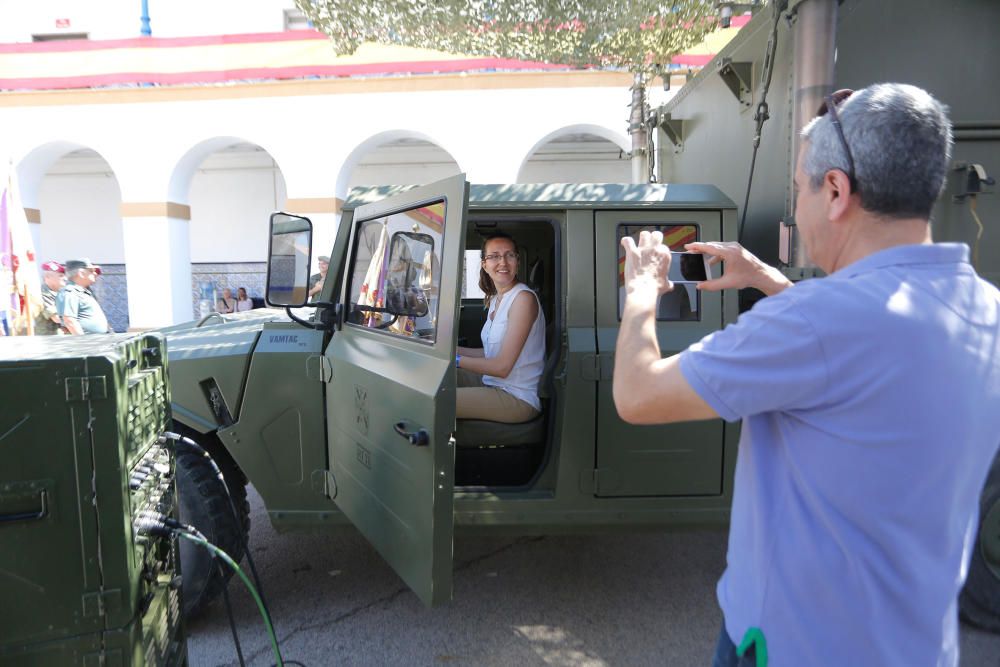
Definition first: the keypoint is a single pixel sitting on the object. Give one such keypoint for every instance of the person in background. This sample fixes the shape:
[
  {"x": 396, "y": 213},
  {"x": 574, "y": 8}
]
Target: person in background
[
  {"x": 243, "y": 302},
  {"x": 53, "y": 280},
  {"x": 76, "y": 304},
  {"x": 317, "y": 279},
  {"x": 868, "y": 399},
  {"x": 227, "y": 304}
]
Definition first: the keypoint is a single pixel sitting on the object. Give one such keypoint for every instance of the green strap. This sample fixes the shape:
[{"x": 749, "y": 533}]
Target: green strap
[{"x": 754, "y": 637}]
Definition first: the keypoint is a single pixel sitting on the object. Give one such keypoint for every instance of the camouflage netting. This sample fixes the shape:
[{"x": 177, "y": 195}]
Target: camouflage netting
[{"x": 637, "y": 36}]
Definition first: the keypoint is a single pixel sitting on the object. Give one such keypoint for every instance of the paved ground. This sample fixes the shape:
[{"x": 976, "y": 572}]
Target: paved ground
[{"x": 630, "y": 600}]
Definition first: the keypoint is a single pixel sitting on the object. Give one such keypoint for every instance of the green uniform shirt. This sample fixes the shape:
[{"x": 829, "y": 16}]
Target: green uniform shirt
[
  {"x": 44, "y": 326},
  {"x": 80, "y": 304}
]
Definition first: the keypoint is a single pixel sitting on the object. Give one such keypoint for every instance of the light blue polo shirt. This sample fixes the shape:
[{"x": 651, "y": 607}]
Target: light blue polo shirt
[
  {"x": 869, "y": 401},
  {"x": 80, "y": 303}
]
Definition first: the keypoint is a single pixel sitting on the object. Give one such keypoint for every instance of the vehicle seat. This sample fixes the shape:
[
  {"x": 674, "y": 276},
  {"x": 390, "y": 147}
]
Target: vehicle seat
[{"x": 473, "y": 433}]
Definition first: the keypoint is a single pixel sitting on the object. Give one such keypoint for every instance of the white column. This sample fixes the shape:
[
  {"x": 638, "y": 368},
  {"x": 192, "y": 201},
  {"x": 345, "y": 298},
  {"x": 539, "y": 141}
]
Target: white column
[{"x": 157, "y": 263}]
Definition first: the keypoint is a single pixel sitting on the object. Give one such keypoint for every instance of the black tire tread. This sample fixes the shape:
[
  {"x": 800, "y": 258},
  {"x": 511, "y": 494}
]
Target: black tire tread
[{"x": 217, "y": 525}]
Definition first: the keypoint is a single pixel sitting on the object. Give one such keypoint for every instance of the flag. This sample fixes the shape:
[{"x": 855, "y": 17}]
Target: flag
[
  {"x": 372, "y": 291},
  {"x": 20, "y": 286},
  {"x": 674, "y": 236}
]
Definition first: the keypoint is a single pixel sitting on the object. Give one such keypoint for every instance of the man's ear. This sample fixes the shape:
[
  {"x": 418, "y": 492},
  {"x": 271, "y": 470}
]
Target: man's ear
[{"x": 837, "y": 187}]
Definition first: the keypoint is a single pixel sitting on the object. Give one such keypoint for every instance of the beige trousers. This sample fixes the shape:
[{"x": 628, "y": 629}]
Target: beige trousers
[{"x": 477, "y": 401}]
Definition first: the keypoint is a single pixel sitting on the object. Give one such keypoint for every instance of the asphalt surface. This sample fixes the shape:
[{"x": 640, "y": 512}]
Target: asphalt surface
[{"x": 633, "y": 599}]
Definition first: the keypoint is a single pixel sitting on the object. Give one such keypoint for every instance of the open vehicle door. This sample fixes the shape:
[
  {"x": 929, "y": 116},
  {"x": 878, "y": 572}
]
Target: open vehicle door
[{"x": 391, "y": 400}]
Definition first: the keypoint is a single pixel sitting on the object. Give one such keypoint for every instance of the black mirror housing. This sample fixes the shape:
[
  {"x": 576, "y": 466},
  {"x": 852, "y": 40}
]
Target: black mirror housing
[{"x": 289, "y": 255}]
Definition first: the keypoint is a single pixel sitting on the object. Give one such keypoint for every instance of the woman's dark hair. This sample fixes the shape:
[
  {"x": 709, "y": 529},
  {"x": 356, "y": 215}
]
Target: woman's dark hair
[
  {"x": 485, "y": 282},
  {"x": 242, "y": 290}
]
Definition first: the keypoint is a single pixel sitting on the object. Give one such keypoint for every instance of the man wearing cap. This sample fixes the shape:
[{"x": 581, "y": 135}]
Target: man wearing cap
[
  {"x": 316, "y": 280},
  {"x": 53, "y": 279},
  {"x": 76, "y": 304}
]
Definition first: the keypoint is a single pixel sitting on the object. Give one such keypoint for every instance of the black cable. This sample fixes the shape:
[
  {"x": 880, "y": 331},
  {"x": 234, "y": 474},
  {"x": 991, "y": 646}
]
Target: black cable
[
  {"x": 232, "y": 620},
  {"x": 762, "y": 114},
  {"x": 232, "y": 508},
  {"x": 153, "y": 523}
]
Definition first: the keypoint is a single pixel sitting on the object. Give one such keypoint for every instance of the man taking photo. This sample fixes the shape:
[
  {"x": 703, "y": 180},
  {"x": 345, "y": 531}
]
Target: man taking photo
[{"x": 868, "y": 398}]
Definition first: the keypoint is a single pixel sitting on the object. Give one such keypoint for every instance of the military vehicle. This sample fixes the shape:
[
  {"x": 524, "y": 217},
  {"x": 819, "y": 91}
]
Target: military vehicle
[
  {"x": 84, "y": 463},
  {"x": 347, "y": 415},
  {"x": 787, "y": 57}
]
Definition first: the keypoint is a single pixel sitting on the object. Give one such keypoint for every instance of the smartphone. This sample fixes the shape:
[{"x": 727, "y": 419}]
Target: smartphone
[{"x": 689, "y": 267}]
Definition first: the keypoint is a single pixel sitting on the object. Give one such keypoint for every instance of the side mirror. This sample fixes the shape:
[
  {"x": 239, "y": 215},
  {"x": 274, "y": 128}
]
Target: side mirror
[
  {"x": 408, "y": 274},
  {"x": 288, "y": 255}
]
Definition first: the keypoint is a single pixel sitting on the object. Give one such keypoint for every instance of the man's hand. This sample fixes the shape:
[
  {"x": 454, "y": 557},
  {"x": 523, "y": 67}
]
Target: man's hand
[
  {"x": 647, "y": 265},
  {"x": 743, "y": 269},
  {"x": 72, "y": 326},
  {"x": 647, "y": 388}
]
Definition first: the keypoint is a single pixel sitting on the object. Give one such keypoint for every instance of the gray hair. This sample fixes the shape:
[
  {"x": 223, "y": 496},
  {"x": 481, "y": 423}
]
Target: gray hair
[{"x": 900, "y": 139}]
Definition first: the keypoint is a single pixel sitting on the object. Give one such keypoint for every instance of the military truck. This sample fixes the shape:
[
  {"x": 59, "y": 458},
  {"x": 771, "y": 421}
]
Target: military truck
[
  {"x": 770, "y": 79},
  {"x": 346, "y": 415}
]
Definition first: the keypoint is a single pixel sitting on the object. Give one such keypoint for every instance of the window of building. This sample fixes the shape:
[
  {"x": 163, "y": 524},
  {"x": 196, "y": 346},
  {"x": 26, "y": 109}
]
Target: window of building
[
  {"x": 296, "y": 20},
  {"x": 59, "y": 36}
]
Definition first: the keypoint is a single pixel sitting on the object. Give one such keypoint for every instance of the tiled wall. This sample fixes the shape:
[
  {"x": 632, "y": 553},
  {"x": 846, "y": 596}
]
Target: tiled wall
[
  {"x": 110, "y": 290},
  {"x": 250, "y": 275},
  {"x": 112, "y": 294}
]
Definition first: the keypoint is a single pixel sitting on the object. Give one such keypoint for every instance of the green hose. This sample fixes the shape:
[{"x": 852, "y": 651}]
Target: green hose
[{"x": 253, "y": 591}]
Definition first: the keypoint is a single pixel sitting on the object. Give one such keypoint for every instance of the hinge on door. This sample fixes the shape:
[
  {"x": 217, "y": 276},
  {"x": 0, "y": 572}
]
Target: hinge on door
[
  {"x": 86, "y": 388},
  {"x": 101, "y": 603},
  {"x": 595, "y": 367},
  {"x": 319, "y": 368}
]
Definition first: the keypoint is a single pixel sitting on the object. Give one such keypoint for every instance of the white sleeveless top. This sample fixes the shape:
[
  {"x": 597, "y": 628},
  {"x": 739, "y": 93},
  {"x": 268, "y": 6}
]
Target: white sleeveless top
[{"x": 522, "y": 382}]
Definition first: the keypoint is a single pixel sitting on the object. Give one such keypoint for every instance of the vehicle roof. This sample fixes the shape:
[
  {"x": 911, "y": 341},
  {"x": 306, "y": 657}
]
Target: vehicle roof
[{"x": 569, "y": 195}]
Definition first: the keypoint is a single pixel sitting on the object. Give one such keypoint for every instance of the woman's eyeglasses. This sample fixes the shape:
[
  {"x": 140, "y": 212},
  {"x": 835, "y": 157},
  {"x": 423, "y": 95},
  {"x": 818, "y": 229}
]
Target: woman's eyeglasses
[
  {"x": 830, "y": 103},
  {"x": 510, "y": 256}
]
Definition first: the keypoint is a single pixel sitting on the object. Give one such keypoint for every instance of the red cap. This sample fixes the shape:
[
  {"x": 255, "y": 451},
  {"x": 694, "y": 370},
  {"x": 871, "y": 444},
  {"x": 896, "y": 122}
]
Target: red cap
[{"x": 53, "y": 266}]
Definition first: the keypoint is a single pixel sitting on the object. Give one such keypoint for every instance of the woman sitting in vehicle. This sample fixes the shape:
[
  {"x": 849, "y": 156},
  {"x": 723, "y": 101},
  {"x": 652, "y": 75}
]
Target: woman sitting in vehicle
[{"x": 499, "y": 382}]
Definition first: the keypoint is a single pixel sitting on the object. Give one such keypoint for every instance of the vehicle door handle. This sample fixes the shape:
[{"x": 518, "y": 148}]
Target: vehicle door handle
[
  {"x": 29, "y": 516},
  {"x": 418, "y": 438}
]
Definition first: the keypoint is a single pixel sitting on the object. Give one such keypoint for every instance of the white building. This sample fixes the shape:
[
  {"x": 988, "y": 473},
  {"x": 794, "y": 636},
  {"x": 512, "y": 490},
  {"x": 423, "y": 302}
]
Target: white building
[{"x": 161, "y": 158}]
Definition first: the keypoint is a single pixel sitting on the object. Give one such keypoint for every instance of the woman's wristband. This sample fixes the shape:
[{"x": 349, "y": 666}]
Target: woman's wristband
[{"x": 458, "y": 361}]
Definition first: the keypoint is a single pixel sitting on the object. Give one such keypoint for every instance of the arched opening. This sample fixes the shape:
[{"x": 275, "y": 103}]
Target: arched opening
[
  {"x": 231, "y": 186},
  {"x": 398, "y": 157},
  {"x": 578, "y": 154},
  {"x": 73, "y": 199}
]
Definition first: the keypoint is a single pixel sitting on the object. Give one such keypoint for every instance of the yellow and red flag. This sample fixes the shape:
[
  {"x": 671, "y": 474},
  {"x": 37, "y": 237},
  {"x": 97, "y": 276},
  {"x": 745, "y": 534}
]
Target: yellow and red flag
[{"x": 674, "y": 236}]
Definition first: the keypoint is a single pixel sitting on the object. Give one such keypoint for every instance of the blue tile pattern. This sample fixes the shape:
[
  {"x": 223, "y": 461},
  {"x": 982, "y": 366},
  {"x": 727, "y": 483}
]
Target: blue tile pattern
[
  {"x": 250, "y": 275},
  {"x": 112, "y": 293}
]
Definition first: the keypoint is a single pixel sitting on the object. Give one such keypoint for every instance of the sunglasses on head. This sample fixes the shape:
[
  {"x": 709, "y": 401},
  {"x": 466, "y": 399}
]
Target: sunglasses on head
[{"x": 830, "y": 103}]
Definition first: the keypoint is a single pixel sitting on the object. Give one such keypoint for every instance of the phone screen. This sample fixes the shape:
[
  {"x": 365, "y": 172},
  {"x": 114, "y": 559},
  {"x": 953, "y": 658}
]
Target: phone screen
[{"x": 687, "y": 267}]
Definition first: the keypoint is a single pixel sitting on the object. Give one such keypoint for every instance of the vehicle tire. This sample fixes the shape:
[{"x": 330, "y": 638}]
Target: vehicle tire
[
  {"x": 979, "y": 602},
  {"x": 202, "y": 502}
]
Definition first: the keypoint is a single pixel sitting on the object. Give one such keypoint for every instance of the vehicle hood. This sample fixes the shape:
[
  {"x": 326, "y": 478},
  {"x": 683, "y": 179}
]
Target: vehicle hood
[{"x": 212, "y": 355}]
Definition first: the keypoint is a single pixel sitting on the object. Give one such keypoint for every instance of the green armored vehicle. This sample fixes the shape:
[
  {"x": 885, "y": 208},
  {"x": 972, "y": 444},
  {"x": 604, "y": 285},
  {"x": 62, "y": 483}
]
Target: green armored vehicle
[{"x": 348, "y": 415}]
